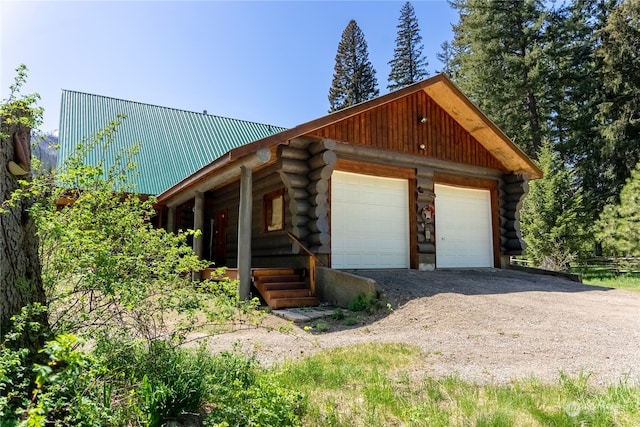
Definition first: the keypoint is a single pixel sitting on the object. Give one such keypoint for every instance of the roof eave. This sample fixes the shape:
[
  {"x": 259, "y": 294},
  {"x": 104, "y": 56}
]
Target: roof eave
[
  {"x": 439, "y": 87},
  {"x": 446, "y": 94}
]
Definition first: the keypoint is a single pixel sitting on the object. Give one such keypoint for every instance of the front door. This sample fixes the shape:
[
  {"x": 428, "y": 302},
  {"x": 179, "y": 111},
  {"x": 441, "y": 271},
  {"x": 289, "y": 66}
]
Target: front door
[{"x": 220, "y": 228}]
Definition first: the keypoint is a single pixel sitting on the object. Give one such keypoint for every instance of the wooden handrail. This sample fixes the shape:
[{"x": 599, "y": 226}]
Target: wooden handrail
[
  {"x": 304, "y": 248},
  {"x": 313, "y": 260}
]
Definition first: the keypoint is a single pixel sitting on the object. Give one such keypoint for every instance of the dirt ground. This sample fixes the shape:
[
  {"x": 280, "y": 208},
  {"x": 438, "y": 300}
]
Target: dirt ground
[{"x": 484, "y": 325}]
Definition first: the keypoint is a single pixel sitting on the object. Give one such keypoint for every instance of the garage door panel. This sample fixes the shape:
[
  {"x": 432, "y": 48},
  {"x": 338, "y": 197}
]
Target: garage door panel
[
  {"x": 369, "y": 222},
  {"x": 463, "y": 227}
]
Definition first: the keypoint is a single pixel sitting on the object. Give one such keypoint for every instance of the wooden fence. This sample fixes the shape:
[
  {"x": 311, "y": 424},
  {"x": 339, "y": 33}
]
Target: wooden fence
[
  {"x": 596, "y": 265},
  {"x": 608, "y": 265}
]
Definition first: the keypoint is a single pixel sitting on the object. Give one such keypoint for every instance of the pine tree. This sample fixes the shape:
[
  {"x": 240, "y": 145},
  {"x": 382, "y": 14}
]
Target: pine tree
[
  {"x": 551, "y": 215},
  {"x": 354, "y": 78},
  {"x": 448, "y": 57},
  {"x": 408, "y": 65},
  {"x": 575, "y": 90},
  {"x": 498, "y": 46},
  {"x": 619, "y": 225},
  {"x": 619, "y": 114},
  {"x": 21, "y": 283}
]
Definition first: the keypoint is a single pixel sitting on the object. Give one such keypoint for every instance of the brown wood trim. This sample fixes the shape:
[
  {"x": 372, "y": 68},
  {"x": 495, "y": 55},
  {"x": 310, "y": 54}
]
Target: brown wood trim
[
  {"x": 354, "y": 166},
  {"x": 495, "y": 226},
  {"x": 414, "y": 260},
  {"x": 464, "y": 181},
  {"x": 308, "y": 127},
  {"x": 438, "y": 87}
]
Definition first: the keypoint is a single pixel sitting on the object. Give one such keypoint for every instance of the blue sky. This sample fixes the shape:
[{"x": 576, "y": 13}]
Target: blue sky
[{"x": 264, "y": 61}]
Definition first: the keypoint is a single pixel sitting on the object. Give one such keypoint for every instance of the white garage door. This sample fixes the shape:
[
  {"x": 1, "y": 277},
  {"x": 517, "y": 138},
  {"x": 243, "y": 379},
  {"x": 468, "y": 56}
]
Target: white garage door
[
  {"x": 463, "y": 227},
  {"x": 369, "y": 221}
]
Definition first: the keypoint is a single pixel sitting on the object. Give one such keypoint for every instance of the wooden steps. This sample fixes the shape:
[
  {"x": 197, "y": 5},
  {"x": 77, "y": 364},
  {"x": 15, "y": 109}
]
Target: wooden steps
[{"x": 283, "y": 288}]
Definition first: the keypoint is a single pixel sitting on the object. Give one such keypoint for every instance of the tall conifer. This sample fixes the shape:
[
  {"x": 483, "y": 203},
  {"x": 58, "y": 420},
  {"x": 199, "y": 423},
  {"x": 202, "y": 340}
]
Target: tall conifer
[
  {"x": 575, "y": 83},
  {"x": 354, "y": 78},
  {"x": 551, "y": 215},
  {"x": 620, "y": 110},
  {"x": 499, "y": 51},
  {"x": 408, "y": 64},
  {"x": 618, "y": 225}
]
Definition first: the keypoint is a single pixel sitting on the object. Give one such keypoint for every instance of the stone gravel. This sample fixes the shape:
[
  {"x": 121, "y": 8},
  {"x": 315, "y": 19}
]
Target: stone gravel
[{"x": 484, "y": 325}]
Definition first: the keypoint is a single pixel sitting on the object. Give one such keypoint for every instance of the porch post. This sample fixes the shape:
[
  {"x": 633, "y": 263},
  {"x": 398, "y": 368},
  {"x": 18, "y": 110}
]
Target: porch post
[
  {"x": 198, "y": 223},
  {"x": 244, "y": 233},
  {"x": 171, "y": 219}
]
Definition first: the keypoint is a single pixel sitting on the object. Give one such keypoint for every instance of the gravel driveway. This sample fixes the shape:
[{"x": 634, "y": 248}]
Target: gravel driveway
[{"x": 485, "y": 325}]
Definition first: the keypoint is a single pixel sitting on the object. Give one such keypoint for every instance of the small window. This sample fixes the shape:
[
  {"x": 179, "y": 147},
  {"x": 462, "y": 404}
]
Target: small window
[{"x": 274, "y": 211}]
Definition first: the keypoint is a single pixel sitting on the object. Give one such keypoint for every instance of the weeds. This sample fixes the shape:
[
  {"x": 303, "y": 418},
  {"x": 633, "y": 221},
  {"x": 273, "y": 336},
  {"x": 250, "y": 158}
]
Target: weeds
[
  {"x": 376, "y": 385},
  {"x": 366, "y": 302}
]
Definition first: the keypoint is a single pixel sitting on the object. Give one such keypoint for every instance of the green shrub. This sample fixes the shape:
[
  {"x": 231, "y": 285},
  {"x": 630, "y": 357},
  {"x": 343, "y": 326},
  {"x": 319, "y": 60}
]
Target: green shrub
[
  {"x": 364, "y": 302},
  {"x": 68, "y": 388},
  {"x": 351, "y": 321},
  {"x": 243, "y": 394},
  {"x": 322, "y": 326},
  {"x": 160, "y": 381},
  {"x": 338, "y": 314}
]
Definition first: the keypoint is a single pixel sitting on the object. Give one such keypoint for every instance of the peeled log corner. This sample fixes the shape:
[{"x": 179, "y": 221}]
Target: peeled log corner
[
  {"x": 321, "y": 163},
  {"x": 425, "y": 197},
  {"x": 293, "y": 168},
  {"x": 305, "y": 167},
  {"x": 513, "y": 190}
]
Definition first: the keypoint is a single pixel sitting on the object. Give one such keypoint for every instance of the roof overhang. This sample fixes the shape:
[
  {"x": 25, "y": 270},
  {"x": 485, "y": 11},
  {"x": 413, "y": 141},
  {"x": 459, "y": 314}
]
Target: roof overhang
[
  {"x": 211, "y": 176},
  {"x": 439, "y": 88},
  {"x": 446, "y": 94}
]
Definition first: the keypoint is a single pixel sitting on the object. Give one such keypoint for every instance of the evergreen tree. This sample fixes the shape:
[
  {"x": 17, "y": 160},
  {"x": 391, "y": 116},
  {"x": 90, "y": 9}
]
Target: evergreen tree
[
  {"x": 499, "y": 50},
  {"x": 575, "y": 81},
  {"x": 354, "y": 78},
  {"x": 408, "y": 65},
  {"x": 447, "y": 56},
  {"x": 551, "y": 215},
  {"x": 619, "y": 115},
  {"x": 619, "y": 225}
]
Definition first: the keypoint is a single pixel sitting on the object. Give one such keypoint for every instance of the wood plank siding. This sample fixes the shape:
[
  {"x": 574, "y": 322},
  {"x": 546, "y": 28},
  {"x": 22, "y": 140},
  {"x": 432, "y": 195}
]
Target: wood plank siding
[{"x": 396, "y": 126}]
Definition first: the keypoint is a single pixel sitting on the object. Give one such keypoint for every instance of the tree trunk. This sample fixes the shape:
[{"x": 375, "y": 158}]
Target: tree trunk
[{"x": 20, "y": 270}]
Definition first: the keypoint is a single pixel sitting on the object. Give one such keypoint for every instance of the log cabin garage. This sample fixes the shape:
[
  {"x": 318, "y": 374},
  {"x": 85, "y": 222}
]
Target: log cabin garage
[{"x": 418, "y": 178}]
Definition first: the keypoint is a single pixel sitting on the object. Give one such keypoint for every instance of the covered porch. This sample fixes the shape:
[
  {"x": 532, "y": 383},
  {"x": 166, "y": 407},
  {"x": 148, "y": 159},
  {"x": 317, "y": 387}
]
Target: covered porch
[{"x": 191, "y": 204}]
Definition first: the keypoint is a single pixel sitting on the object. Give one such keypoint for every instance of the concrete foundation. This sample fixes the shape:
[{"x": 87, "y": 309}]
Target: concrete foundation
[{"x": 338, "y": 288}]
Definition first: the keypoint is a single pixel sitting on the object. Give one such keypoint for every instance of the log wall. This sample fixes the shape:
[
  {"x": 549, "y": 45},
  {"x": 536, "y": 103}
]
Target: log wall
[
  {"x": 425, "y": 222},
  {"x": 303, "y": 169},
  {"x": 513, "y": 190},
  {"x": 396, "y": 126}
]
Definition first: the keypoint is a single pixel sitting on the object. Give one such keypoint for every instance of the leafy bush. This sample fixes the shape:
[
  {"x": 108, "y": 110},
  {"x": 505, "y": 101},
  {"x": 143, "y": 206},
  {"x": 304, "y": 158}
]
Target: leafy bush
[
  {"x": 124, "y": 383},
  {"x": 245, "y": 395},
  {"x": 111, "y": 277},
  {"x": 68, "y": 388},
  {"x": 157, "y": 381}
]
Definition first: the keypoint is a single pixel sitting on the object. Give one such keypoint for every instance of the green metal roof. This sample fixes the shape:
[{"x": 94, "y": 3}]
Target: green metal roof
[{"x": 174, "y": 143}]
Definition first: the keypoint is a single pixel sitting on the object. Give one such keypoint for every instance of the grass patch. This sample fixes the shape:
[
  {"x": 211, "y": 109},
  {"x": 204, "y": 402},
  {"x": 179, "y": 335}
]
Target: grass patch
[
  {"x": 375, "y": 385},
  {"x": 608, "y": 279}
]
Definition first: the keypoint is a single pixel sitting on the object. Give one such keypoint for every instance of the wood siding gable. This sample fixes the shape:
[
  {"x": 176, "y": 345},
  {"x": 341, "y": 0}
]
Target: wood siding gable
[{"x": 397, "y": 126}]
